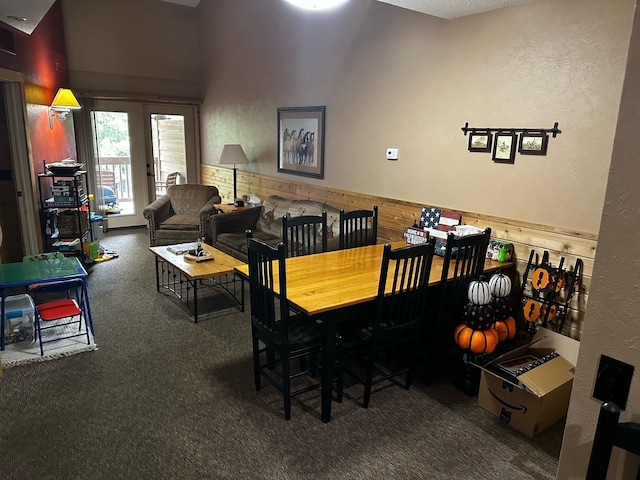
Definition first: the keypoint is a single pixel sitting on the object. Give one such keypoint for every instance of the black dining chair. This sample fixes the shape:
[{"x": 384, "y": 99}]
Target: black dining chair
[
  {"x": 386, "y": 346},
  {"x": 278, "y": 336},
  {"x": 358, "y": 228},
  {"x": 463, "y": 261},
  {"x": 305, "y": 234},
  {"x": 611, "y": 433}
]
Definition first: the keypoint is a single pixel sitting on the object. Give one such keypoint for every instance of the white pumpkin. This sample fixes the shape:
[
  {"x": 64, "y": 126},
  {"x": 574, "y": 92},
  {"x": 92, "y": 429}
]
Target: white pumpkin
[
  {"x": 500, "y": 285},
  {"x": 479, "y": 292}
]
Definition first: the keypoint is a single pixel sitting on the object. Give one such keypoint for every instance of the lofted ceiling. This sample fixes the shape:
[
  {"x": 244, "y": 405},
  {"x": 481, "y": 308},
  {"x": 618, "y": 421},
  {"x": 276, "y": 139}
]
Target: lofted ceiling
[
  {"x": 453, "y": 8},
  {"x": 25, "y": 15}
]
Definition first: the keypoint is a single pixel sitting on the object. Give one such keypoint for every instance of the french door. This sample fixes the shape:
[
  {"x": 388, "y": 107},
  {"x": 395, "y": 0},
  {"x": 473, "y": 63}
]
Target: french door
[{"x": 136, "y": 147}]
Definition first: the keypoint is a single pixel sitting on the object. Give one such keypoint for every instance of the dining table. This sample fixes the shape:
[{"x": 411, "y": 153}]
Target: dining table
[
  {"x": 331, "y": 285},
  {"x": 25, "y": 273}
]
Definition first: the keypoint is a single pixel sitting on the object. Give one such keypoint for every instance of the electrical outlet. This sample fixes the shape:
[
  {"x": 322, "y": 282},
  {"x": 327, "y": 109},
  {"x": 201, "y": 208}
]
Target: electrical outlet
[
  {"x": 392, "y": 154},
  {"x": 613, "y": 381}
]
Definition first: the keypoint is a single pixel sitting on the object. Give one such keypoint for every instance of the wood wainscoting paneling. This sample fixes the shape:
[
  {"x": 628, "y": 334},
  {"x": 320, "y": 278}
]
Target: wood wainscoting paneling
[{"x": 394, "y": 215}]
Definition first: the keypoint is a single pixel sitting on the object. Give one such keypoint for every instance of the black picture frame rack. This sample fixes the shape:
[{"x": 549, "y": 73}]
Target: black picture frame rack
[
  {"x": 528, "y": 141},
  {"x": 553, "y": 131}
]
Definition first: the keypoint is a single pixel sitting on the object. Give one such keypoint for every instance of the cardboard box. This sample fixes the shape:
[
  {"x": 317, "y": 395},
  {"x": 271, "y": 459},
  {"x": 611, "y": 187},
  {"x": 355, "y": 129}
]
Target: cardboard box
[{"x": 539, "y": 396}]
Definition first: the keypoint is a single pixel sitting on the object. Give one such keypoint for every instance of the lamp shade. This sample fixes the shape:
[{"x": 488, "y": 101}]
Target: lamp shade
[
  {"x": 232, "y": 155},
  {"x": 65, "y": 99}
]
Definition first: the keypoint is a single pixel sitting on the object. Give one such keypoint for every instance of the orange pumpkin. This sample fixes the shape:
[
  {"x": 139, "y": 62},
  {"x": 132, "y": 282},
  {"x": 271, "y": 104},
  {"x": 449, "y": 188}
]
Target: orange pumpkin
[
  {"x": 478, "y": 341},
  {"x": 506, "y": 328}
]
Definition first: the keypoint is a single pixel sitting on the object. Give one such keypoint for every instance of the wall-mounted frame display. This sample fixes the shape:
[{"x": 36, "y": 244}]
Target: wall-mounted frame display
[
  {"x": 529, "y": 141},
  {"x": 301, "y": 141},
  {"x": 504, "y": 147},
  {"x": 533, "y": 143},
  {"x": 480, "y": 141}
]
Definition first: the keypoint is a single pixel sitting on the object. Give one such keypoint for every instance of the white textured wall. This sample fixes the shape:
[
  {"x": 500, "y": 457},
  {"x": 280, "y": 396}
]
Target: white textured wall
[
  {"x": 132, "y": 46},
  {"x": 612, "y": 322},
  {"x": 394, "y": 78}
]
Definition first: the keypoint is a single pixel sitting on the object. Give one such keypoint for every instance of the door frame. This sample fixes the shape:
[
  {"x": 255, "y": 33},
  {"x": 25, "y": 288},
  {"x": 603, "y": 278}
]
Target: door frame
[
  {"x": 192, "y": 136},
  {"x": 15, "y": 105}
]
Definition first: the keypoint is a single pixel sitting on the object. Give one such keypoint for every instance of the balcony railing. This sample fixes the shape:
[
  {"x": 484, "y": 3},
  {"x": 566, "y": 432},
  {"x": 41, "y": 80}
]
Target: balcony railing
[{"x": 116, "y": 174}]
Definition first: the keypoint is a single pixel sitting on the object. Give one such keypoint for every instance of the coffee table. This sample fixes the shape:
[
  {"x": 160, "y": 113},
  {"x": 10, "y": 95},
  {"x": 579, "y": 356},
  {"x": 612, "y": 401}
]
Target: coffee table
[{"x": 183, "y": 277}]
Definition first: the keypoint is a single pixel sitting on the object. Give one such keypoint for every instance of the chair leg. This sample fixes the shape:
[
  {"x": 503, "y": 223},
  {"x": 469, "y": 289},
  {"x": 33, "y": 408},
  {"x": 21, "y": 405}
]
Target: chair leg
[
  {"x": 411, "y": 358},
  {"x": 39, "y": 332},
  {"x": 339, "y": 371},
  {"x": 83, "y": 317},
  {"x": 286, "y": 388},
  {"x": 256, "y": 362},
  {"x": 368, "y": 381}
]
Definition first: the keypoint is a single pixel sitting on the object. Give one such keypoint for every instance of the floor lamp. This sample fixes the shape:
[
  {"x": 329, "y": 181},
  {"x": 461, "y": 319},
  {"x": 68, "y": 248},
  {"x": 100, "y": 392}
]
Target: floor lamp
[{"x": 233, "y": 155}]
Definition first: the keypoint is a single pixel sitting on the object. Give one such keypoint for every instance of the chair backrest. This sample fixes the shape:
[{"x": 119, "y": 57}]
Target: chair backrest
[
  {"x": 463, "y": 261},
  {"x": 305, "y": 234},
  {"x": 358, "y": 228},
  {"x": 172, "y": 179},
  {"x": 189, "y": 198},
  {"x": 402, "y": 290},
  {"x": 272, "y": 322},
  {"x": 610, "y": 433}
]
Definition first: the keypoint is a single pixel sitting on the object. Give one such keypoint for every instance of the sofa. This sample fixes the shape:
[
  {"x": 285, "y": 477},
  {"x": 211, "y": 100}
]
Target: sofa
[
  {"x": 227, "y": 231},
  {"x": 181, "y": 214}
]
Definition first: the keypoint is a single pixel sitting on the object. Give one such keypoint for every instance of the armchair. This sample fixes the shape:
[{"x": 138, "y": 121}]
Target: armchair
[{"x": 181, "y": 214}]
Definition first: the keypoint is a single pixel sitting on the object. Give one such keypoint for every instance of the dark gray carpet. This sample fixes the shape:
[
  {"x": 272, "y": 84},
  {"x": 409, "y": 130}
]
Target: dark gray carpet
[{"x": 164, "y": 398}]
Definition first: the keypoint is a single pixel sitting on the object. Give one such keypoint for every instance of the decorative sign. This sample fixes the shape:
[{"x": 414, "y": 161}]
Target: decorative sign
[{"x": 415, "y": 236}]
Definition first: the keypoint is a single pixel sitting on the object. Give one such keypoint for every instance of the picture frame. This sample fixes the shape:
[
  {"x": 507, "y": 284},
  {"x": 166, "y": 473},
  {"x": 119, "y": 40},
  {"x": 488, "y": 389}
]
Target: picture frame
[
  {"x": 301, "y": 141},
  {"x": 533, "y": 143},
  {"x": 480, "y": 141},
  {"x": 504, "y": 147}
]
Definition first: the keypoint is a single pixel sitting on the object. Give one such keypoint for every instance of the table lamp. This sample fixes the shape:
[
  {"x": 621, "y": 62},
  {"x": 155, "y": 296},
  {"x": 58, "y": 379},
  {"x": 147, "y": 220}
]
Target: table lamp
[{"x": 233, "y": 154}]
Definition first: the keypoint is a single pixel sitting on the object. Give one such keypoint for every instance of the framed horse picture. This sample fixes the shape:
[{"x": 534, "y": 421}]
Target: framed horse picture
[{"x": 301, "y": 141}]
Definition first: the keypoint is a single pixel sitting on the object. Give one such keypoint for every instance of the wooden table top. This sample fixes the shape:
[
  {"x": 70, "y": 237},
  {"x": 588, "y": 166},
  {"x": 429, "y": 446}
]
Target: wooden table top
[
  {"x": 220, "y": 265},
  {"x": 329, "y": 281}
]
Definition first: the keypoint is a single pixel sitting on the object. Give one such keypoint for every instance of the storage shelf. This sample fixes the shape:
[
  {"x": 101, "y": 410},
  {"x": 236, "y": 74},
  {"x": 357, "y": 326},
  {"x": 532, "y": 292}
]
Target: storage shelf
[{"x": 78, "y": 226}]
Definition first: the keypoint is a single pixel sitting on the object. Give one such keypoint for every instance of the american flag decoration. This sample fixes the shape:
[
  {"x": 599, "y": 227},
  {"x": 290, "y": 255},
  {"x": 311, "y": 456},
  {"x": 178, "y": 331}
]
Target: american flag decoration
[
  {"x": 448, "y": 220},
  {"x": 439, "y": 222},
  {"x": 430, "y": 217}
]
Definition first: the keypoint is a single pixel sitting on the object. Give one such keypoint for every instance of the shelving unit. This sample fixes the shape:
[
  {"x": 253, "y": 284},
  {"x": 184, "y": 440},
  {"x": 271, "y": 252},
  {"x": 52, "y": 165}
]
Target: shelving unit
[
  {"x": 547, "y": 291},
  {"x": 64, "y": 212}
]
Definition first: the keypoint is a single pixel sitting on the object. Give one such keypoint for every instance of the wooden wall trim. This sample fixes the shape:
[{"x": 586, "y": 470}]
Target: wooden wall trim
[{"x": 394, "y": 215}]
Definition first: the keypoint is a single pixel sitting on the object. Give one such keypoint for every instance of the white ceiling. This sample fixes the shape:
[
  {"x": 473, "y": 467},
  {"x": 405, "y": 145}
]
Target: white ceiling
[
  {"x": 26, "y": 14},
  {"x": 437, "y": 8},
  {"x": 453, "y": 8}
]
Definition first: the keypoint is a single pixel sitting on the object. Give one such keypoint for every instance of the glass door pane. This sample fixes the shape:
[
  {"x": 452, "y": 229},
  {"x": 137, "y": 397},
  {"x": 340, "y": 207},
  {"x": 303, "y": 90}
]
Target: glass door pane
[
  {"x": 172, "y": 143},
  {"x": 169, "y": 156},
  {"x": 120, "y": 163}
]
